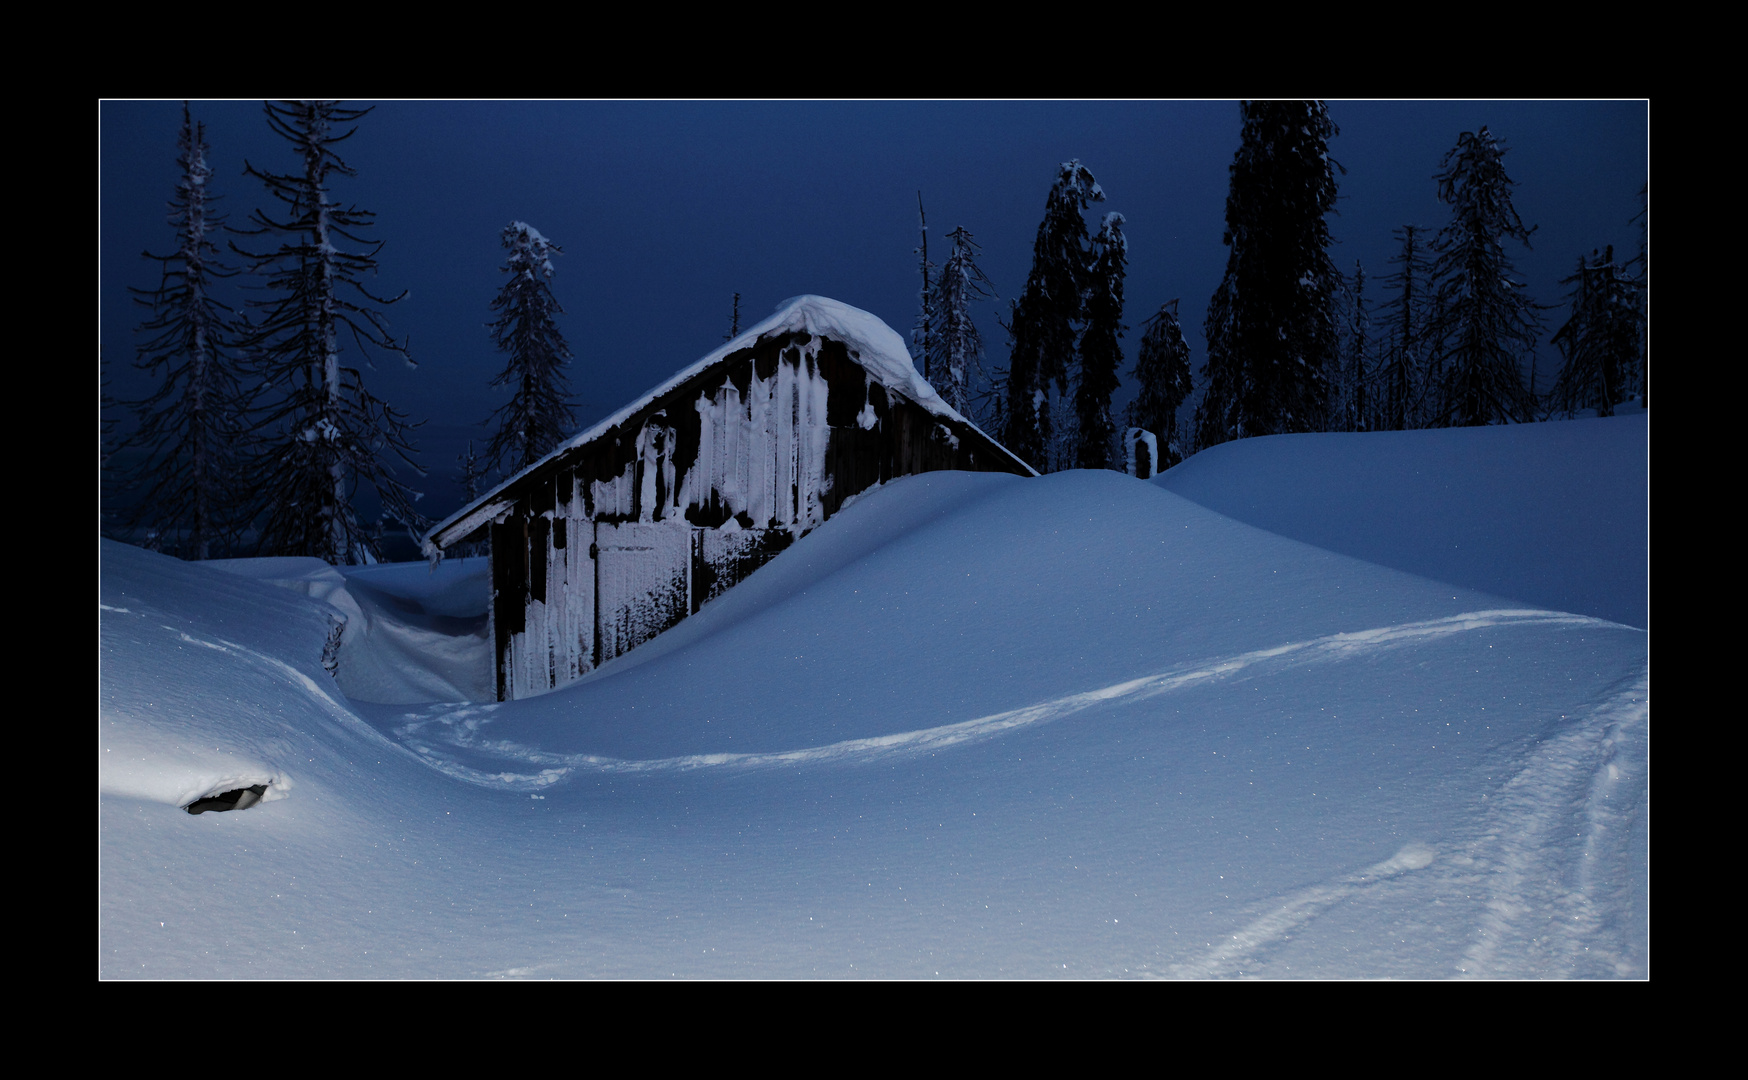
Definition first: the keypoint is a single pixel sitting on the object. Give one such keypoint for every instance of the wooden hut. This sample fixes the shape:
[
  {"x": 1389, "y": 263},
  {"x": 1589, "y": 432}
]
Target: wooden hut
[{"x": 639, "y": 521}]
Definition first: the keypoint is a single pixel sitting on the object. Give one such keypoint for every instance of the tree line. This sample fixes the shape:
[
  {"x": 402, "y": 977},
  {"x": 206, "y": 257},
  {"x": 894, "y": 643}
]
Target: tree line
[
  {"x": 1293, "y": 344},
  {"x": 260, "y": 431}
]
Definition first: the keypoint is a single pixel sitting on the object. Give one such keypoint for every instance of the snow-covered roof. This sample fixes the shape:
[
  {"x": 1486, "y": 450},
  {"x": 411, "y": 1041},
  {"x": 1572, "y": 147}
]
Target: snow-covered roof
[{"x": 871, "y": 343}]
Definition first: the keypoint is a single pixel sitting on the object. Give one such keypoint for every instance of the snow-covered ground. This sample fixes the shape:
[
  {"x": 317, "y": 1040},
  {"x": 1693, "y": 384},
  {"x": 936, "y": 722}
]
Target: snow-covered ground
[{"x": 1318, "y": 706}]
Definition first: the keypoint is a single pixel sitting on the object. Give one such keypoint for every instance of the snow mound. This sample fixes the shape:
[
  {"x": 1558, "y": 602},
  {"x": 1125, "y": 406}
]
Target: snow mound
[
  {"x": 973, "y": 727},
  {"x": 411, "y": 631},
  {"x": 208, "y": 682},
  {"x": 990, "y": 594},
  {"x": 1555, "y": 514}
]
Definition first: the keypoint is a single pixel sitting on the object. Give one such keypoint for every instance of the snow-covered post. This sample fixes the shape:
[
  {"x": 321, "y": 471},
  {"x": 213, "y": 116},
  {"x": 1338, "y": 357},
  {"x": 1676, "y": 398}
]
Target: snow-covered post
[{"x": 1141, "y": 453}]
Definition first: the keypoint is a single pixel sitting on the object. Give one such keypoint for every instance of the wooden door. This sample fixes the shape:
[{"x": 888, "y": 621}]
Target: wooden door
[{"x": 643, "y": 583}]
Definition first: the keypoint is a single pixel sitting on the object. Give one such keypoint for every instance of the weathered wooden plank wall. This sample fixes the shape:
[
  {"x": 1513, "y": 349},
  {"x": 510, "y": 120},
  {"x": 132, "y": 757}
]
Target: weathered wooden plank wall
[{"x": 620, "y": 538}]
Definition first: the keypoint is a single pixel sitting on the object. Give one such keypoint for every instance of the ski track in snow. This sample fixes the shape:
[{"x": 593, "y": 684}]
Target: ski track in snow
[
  {"x": 1227, "y": 958},
  {"x": 1548, "y": 840},
  {"x": 461, "y": 725},
  {"x": 1546, "y": 912},
  {"x": 1537, "y": 857}
]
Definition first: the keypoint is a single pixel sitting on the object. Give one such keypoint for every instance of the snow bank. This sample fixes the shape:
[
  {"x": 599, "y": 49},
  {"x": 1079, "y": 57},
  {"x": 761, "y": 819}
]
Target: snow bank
[
  {"x": 1556, "y": 514},
  {"x": 209, "y": 682},
  {"x": 412, "y": 632}
]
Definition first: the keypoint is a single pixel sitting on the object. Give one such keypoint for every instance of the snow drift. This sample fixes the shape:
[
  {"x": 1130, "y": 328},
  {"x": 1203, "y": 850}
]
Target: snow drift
[
  {"x": 1552, "y": 513},
  {"x": 1076, "y": 726}
]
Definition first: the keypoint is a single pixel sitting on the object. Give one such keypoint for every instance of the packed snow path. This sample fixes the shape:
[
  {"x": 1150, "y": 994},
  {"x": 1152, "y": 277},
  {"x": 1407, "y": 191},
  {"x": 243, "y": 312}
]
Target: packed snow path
[
  {"x": 1070, "y": 727},
  {"x": 462, "y": 726}
]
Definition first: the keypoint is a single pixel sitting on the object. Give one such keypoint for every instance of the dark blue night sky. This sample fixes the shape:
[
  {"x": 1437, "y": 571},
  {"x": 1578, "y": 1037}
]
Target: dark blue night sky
[{"x": 665, "y": 210}]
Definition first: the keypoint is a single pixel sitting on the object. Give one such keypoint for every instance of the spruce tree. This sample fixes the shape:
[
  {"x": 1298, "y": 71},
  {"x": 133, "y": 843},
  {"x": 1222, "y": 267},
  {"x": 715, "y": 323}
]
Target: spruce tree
[
  {"x": 1271, "y": 326},
  {"x": 733, "y": 321},
  {"x": 1043, "y": 330},
  {"x": 954, "y": 361},
  {"x": 538, "y": 415},
  {"x": 1401, "y": 372},
  {"x": 1101, "y": 351},
  {"x": 925, "y": 320},
  {"x": 1487, "y": 325},
  {"x": 323, "y": 434},
  {"x": 1640, "y": 269},
  {"x": 1162, "y": 369},
  {"x": 1352, "y": 407},
  {"x": 1599, "y": 341},
  {"x": 1574, "y": 389},
  {"x": 190, "y": 425},
  {"x": 472, "y": 472}
]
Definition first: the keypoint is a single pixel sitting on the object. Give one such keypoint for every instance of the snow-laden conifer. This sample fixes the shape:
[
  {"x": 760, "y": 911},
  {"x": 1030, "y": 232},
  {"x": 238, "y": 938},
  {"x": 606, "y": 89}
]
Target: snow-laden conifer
[
  {"x": 1487, "y": 325},
  {"x": 1162, "y": 370},
  {"x": 1043, "y": 330},
  {"x": 1271, "y": 325},
  {"x": 189, "y": 426},
  {"x": 1402, "y": 367},
  {"x": 1101, "y": 350},
  {"x": 955, "y": 358},
  {"x": 538, "y": 415},
  {"x": 925, "y": 320},
  {"x": 473, "y": 469},
  {"x": 1640, "y": 271},
  {"x": 1350, "y": 398},
  {"x": 1599, "y": 342},
  {"x": 322, "y": 433},
  {"x": 733, "y": 320}
]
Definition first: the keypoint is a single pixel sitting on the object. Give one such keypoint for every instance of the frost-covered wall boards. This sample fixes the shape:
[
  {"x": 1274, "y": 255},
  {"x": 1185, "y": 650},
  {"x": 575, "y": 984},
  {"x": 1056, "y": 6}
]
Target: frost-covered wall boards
[{"x": 636, "y": 523}]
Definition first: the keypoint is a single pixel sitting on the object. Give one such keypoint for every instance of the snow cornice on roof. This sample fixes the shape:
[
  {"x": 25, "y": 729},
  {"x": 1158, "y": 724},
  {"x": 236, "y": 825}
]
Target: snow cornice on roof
[{"x": 876, "y": 347}]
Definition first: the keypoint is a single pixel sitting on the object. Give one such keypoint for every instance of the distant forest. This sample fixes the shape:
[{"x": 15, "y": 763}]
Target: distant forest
[{"x": 260, "y": 436}]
